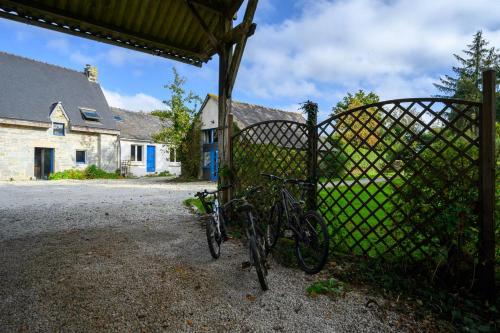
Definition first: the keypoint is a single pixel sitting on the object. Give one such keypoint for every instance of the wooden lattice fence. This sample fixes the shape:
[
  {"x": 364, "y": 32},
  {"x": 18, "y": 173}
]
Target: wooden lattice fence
[{"x": 404, "y": 179}]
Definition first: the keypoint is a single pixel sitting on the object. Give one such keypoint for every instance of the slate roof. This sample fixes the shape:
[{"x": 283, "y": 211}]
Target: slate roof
[
  {"x": 246, "y": 114},
  {"x": 137, "y": 125},
  {"x": 29, "y": 88}
]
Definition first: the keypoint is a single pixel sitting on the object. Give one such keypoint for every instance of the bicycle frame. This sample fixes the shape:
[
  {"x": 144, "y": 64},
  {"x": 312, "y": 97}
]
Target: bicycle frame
[{"x": 289, "y": 204}]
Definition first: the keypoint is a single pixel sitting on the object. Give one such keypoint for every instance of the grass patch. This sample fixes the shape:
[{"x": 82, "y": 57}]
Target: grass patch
[
  {"x": 90, "y": 172},
  {"x": 354, "y": 211}
]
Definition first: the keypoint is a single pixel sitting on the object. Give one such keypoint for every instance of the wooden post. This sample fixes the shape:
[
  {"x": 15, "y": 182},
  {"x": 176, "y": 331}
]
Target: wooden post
[
  {"x": 486, "y": 269},
  {"x": 230, "y": 153},
  {"x": 312, "y": 152}
]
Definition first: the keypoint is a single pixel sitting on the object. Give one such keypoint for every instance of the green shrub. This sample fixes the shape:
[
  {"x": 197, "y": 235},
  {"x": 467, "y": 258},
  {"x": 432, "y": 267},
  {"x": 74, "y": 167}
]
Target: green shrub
[
  {"x": 90, "y": 172},
  {"x": 438, "y": 202},
  {"x": 68, "y": 174}
]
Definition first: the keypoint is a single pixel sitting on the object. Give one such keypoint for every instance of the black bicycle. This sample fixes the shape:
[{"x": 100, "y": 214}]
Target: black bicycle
[
  {"x": 309, "y": 230},
  {"x": 215, "y": 226},
  {"x": 255, "y": 236},
  {"x": 216, "y": 230}
]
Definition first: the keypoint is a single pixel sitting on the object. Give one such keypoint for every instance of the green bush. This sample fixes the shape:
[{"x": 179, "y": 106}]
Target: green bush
[
  {"x": 68, "y": 174},
  {"x": 438, "y": 202},
  {"x": 90, "y": 172},
  {"x": 332, "y": 163}
]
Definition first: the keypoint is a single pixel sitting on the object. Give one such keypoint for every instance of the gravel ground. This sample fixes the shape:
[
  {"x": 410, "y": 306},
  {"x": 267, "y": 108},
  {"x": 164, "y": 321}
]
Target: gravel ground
[{"x": 127, "y": 256}]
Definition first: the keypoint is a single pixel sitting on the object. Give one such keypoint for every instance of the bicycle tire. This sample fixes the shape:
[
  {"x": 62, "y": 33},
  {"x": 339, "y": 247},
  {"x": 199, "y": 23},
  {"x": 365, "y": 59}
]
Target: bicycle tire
[
  {"x": 273, "y": 229},
  {"x": 314, "y": 224},
  {"x": 259, "y": 265},
  {"x": 213, "y": 239}
]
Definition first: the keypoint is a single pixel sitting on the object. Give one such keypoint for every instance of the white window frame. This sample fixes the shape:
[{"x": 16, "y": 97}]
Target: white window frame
[
  {"x": 84, "y": 156},
  {"x": 134, "y": 159},
  {"x": 63, "y": 128}
]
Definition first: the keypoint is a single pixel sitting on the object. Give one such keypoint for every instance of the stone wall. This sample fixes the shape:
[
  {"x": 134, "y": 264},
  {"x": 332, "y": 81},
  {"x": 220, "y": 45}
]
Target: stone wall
[{"x": 17, "y": 149}]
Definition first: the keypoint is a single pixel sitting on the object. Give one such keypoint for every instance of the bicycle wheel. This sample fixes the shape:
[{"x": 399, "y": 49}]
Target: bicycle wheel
[
  {"x": 312, "y": 244},
  {"x": 214, "y": 238},
  {"x": 273, "y": 228},
  {"x": 258, "y": 262}
]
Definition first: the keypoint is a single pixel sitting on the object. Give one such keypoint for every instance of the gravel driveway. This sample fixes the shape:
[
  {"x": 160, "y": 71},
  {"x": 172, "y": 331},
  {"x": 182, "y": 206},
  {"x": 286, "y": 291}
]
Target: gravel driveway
[{"x": 126, "y": 256}]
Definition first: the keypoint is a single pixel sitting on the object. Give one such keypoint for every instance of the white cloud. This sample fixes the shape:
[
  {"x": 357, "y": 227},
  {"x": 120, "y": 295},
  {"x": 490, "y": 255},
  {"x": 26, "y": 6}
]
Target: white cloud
[
  {"x": 392, "y": 47},
  {"x": 60, "y": 45},
  {"x": 137, "y": 102}
]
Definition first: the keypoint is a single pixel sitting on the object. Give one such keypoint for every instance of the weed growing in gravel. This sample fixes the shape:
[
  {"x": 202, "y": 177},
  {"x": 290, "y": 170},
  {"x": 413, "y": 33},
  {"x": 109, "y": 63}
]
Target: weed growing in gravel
[{"x": 331, "y": 287}]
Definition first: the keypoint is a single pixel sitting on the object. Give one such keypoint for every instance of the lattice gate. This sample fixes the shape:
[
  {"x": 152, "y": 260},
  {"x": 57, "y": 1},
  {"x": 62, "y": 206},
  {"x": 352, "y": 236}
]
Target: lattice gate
[{"x": 399, "y": 179}]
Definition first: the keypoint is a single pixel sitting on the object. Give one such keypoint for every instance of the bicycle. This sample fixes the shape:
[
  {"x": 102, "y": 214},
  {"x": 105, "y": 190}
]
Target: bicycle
[
  {"x": 215, "y": 226},
  {"x": 254, "y": 234},
  {"x": 309, "y": 230}
]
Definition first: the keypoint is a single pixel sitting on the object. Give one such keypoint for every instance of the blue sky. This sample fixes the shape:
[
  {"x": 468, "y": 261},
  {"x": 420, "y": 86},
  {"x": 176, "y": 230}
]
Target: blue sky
[{"x": 305, "y": 49}]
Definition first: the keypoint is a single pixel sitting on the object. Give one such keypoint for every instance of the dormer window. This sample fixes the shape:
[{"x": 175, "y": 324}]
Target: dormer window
[
  {"x": 90, "y": 114},
  {"x": 58, "y": 129}
]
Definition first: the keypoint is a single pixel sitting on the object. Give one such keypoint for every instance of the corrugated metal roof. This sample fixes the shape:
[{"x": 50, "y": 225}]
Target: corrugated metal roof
[{"x": 165, "y": 28}]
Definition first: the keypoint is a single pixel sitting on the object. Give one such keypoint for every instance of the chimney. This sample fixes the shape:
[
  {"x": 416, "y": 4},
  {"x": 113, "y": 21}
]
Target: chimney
[{"x": 90, "y": 73}]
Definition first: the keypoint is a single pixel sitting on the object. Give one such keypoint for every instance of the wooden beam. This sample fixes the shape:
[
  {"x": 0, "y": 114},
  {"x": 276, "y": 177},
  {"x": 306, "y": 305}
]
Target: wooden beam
[{"x": 240, "y": 46}]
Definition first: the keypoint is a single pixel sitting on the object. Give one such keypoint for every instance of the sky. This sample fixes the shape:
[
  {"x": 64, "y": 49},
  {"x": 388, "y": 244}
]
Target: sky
[{"x": 302, "y": 50}]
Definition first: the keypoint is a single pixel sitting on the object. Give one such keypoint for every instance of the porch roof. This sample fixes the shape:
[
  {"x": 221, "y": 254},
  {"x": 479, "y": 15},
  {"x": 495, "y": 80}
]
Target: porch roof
[{"x": 183, "y": 30}]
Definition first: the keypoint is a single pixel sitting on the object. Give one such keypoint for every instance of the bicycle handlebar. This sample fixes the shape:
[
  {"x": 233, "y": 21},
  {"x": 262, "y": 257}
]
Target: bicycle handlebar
[{"x": 205, "y": 193}]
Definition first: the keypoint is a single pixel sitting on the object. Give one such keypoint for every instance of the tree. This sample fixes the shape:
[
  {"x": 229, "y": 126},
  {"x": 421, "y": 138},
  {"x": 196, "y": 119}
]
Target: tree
[
  {"x": 359, "y": 127},
  {"x": 467, "y": 81},
  {"x": 179, "y": 115}
]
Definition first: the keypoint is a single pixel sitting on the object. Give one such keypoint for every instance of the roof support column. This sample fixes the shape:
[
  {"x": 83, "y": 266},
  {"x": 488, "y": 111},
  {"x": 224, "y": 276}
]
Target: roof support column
[{"x": 229, "y": 63}]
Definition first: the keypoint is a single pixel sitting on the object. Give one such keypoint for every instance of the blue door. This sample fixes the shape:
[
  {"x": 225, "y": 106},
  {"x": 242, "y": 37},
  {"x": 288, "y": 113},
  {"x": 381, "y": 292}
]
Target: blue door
[
  {"x": 213, "y": 164},
  {"x": 151, "y": 159}
]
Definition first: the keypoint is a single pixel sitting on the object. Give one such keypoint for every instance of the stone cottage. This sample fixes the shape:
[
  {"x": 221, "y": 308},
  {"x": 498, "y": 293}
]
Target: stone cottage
[
  {"x": 52, "y": 119},
  {"x": 244, "y": 115},
  {"x": 140, "y": 154}
]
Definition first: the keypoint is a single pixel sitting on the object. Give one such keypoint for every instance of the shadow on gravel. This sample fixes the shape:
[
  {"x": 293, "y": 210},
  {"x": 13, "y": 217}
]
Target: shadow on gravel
[{"x": 94, "y": 280}]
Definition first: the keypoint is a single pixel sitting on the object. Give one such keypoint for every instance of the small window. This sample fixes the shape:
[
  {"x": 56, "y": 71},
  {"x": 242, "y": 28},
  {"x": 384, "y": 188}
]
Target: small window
[
  {"x": 58, "y": 129},
  {"x": 136, "y": 153},
  {"x": 90, "y": 114},
  {"x": 81, "y": 157},
  {"x": 214, "y": 135},
  {"x": 172, "y": 155},
  {"x": 118, "y": 118}
]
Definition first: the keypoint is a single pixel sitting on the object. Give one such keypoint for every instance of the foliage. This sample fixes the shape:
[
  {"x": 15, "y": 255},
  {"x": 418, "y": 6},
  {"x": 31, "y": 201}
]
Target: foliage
[
  {"x": 414, "y": 290},
  {"x": 332, "y": 164},
  {"x": 466, "y": 84},
  {"x": 90, "y": 172},
  {"x": 190, "y": 150},
  {"x": 190, "y": 202},
  {"x": 438, "y": 203},
  {"x": 331, "y": 287},
  {"x": 179, "y": 114},
  {"x": 359, "y": 128}
]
